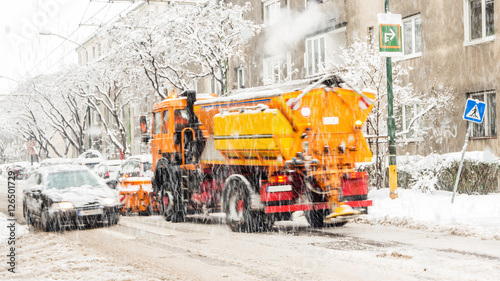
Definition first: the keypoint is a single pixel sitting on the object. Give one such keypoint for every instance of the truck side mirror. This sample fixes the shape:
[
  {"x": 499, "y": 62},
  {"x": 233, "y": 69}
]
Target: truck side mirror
[
  {"x": 144, "y": 129},
  {"x": 144, "y": 124}
]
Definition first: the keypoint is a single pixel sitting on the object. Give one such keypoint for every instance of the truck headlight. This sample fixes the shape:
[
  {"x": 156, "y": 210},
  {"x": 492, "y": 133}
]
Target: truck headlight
[
  {"x": 63, "y": 205},
  {"x": 109, "y": 201}
]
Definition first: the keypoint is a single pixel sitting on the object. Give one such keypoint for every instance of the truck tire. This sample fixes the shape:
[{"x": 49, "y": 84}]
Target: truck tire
[
  {"x": 178, "y": 207},
  {"x": 166, "y": 181},
  {"x": 166, "y": 205},
  {"x": 239, "y": 216},
  {"x": 316, "y": 218}
]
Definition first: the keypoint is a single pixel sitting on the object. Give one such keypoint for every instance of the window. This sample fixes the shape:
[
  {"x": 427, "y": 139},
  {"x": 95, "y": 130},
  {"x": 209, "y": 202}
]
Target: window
[
  {"x": 488, "y": 128},
  {"x": 240, "y": 72},
  {"x": 479, "y": 19},
  {"x": 165, "y": 121},
  {"x": 271, "y": 11},
  {"x": 409, "y": 123},
  {"x": 272, "y": 70},
  {"x": 181, "y": 119},
  {"x": 315, "y": 55},
  {"x": 412, "y": 36},
  {"x": 156, "y": 123}
]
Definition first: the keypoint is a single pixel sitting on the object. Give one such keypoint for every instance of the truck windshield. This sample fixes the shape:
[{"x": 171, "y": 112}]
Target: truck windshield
[{"x": 181, "y": 119}]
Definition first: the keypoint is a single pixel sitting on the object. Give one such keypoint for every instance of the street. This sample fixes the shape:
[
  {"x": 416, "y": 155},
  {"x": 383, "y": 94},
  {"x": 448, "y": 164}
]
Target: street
[{"x": 206, "y": 249}]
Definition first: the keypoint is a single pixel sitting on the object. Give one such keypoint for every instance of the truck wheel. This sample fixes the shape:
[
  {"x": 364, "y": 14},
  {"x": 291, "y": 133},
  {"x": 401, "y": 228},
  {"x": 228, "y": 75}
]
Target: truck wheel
[
  {"x": 166, "y": 206},
  {"x": 316, "y": 218},
  {"x": 178, "y": 210},
  {"x": 161, "y": 175},
  {"x": 239, "y": 216},
  {"x": 339, "y": 224}
]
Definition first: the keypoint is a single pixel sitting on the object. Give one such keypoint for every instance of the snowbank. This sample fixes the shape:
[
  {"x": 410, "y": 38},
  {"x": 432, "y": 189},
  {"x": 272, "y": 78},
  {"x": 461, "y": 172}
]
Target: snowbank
[
  {"x": 5, "y": 232},
  {"x": 470, "y": 215}
]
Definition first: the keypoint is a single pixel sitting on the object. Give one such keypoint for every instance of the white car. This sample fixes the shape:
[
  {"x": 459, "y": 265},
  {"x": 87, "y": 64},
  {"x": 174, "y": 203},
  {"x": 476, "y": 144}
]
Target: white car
[
  {"x": 109, "y": 170},
  {"x": 89, "y": 158},
  {"x": 56, "y": 161},
  {"x": 138, "y": 166}
]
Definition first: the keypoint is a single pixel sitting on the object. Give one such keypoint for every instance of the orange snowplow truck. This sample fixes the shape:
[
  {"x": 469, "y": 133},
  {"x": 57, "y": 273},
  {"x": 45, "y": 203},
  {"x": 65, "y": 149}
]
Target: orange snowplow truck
[{"x": 260, "y": 154}]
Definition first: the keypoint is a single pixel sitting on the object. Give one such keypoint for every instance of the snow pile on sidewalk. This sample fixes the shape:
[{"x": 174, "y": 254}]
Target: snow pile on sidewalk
[
  {"x": 5, "y": 231},
  {"x": 438, "y": 172},
  {"x": 470, "y": 215}
]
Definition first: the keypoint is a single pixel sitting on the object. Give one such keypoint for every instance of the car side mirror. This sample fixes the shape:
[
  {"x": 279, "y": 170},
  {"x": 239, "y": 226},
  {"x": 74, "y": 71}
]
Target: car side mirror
[{"x": 111, "y": 184}]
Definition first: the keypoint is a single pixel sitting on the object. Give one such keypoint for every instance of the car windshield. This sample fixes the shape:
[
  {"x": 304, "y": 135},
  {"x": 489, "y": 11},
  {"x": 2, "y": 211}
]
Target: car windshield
[{"x": 62, "y": 180}]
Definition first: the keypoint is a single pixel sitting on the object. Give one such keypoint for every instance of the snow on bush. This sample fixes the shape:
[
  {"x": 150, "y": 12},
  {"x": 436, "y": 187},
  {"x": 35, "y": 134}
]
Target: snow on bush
[{"x": 438, "y": 172}]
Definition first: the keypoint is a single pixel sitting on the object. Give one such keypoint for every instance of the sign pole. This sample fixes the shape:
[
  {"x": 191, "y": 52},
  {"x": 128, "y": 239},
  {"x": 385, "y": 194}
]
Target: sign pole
[
  {"x": 393, "y": 174},
  {"x": 461, "y": 164},
  {"x": 474, "y": 112}
]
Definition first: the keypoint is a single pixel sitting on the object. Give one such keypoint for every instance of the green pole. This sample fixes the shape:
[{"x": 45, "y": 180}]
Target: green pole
[
  {"x": 391, "y": 128},
  {"x": 88, "y": 129}
]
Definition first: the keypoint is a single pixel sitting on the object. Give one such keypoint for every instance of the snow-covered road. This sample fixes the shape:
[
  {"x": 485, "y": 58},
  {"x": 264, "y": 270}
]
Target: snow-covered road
[{"x": 150, "y": 248}]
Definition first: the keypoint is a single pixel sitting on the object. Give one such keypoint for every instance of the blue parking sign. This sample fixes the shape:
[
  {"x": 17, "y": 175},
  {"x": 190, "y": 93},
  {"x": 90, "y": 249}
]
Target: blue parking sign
[{"x": 474, "y": 110}]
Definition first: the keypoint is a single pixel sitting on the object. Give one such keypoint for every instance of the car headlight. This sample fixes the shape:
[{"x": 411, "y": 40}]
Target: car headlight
[
  {"x": 109, "y": 201},
  {"x": 63, "y": 205}
]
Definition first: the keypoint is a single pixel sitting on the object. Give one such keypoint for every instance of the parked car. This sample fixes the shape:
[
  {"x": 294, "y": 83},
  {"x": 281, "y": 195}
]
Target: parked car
[
  {"x": 56, "y": 161},
  {"x": 21, "y": 170},
  {"x": 110, "y": 171},
  {"x": 68, "y": 195},
  {"x": 138, "y": 166},
  {"x": 89, "y": 158}
]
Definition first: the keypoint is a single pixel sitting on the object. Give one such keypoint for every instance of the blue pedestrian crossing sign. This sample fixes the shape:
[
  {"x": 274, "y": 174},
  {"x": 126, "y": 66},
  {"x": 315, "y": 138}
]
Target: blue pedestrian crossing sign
[{"x": 474, "y": 110}]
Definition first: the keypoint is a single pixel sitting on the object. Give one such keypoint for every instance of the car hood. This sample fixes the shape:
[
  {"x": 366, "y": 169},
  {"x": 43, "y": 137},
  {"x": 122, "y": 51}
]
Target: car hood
[{"x": 81, "y": 196}]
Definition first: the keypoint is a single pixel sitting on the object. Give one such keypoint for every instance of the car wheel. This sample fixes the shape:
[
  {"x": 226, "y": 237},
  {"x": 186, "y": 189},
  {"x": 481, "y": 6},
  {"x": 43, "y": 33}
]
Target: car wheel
[
  {"x": 45, "y": 221},
  {"x": 27, "y": 215},
  {"x": 113, "y": 218}
]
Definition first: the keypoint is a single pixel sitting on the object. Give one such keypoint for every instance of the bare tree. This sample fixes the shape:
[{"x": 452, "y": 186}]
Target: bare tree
[{"x": 185, "y": 43}]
